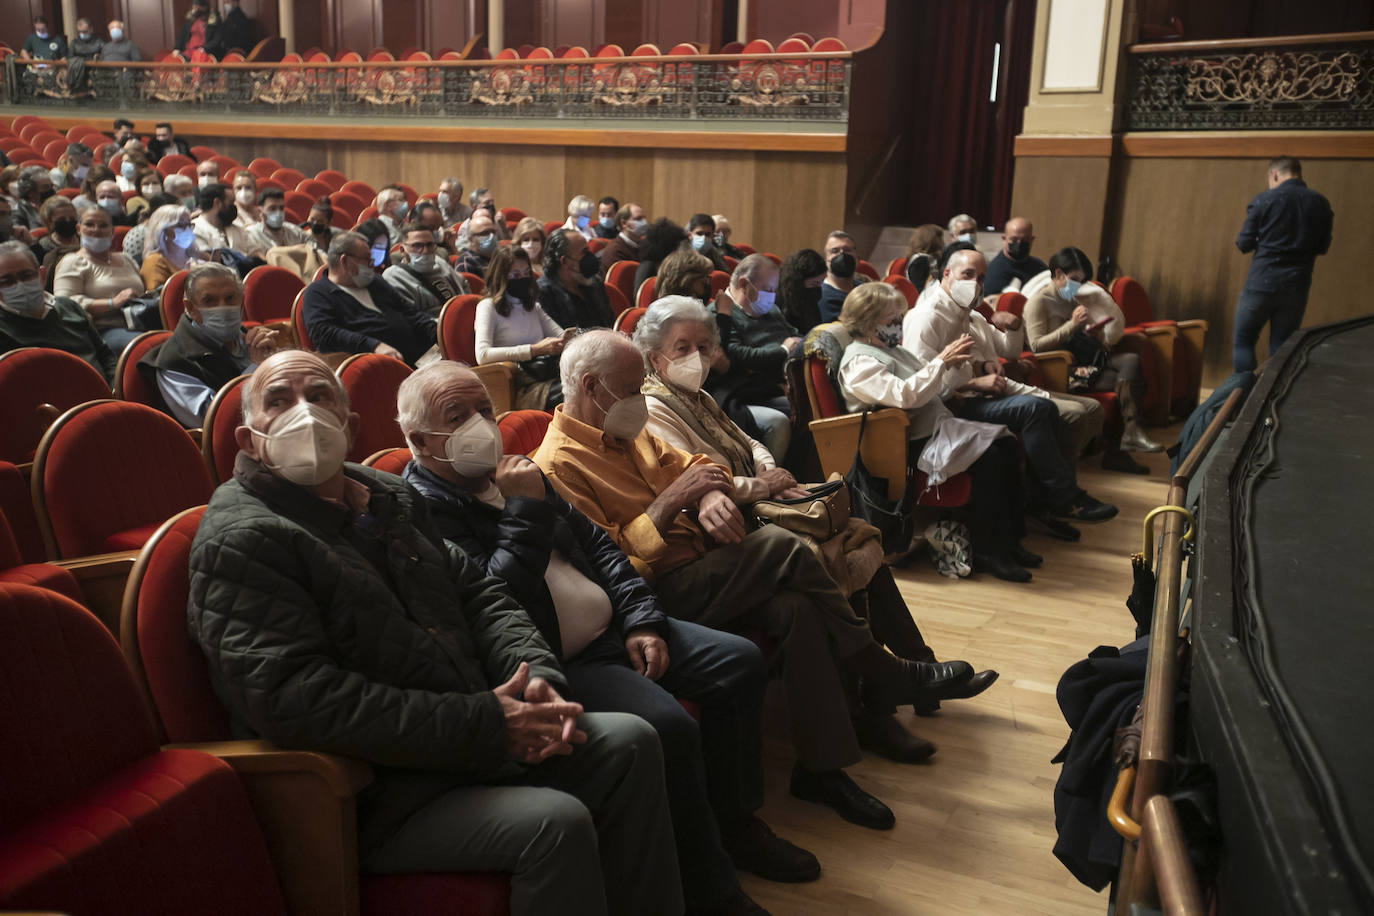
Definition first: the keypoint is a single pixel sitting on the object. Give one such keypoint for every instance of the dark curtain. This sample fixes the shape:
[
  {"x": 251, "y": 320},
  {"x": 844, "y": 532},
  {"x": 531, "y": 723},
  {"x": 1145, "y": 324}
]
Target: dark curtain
[{"x": 963, "y": 159}]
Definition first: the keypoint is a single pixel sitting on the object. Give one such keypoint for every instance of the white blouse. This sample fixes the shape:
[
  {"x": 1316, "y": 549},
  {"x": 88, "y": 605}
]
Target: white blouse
[{"x": 509, "y": 338}]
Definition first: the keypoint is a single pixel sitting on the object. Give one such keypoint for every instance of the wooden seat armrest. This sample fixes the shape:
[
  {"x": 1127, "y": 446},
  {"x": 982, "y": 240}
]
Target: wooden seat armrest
[
  {"x": 1189, "y": 324},
  {"x": 499, "y": 379},
  {"x": 304, "y": 803},
  {"x": 884, "y": 444},
  {"x": 102, "y": 578},
  {"x": 1054, "y": 365}
]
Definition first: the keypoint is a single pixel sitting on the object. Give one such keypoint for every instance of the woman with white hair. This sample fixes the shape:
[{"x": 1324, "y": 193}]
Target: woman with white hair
[
  {"x": 580, "y": 217},
  {"x": 679, "y": 339},
  {"x": 170, "y": 245}
]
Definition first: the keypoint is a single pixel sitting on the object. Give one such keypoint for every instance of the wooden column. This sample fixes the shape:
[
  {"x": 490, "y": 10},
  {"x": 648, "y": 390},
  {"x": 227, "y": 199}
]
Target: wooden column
[
  {"x": 286, "y": 23},
  {"x": 496, "y": 26},
  {"x": 69, "y": 17},
  {"x": 742, "y": 22}
]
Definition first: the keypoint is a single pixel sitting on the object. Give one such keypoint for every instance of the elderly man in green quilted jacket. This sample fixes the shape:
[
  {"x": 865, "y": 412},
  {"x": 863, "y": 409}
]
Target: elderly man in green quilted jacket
[{"x": 335, "y": 619}]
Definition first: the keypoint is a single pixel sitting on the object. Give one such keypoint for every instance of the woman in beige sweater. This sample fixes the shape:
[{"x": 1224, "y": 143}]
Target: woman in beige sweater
[{"x": 99, "y": 280}]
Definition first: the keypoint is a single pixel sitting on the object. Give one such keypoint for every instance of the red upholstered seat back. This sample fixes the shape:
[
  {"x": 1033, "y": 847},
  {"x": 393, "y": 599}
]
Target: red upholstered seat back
[
  {"x": 268, "y": 293},
  {"x": 645, "y": 295},
  {"x": 822, "y": 389},
  {"x": 156, "y": 641},
  {"x": 458, "y": 329},
  {"x": 217, "y": 442},
  {"x": 32, "y": 376},
  {"x": 622, "y": 277},
  {"x": 1133, "y": 300},
  {"x": 70, "y": 714},
  {"x": 172, "y": 302},
  {"x": 389, "y": 460},
  {"x": 130, "y": 384},
  {"x": 523, "y": 430},
  {"x": 628, "y": 320},
  {"x": 1011, "y": 301},
  {"x": 16, "y": 504},
  {"x": 372, "y": 381},
  {"x": 109, "y": 467},
  {"x": 617, "y": 300},
  {"x": 905, "y": 287}
]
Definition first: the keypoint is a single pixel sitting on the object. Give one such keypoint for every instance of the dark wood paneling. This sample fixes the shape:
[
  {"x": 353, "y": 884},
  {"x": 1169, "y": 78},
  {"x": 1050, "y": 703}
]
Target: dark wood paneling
[
  {"x": 1065, "y": 210},
  {"x": 401, "y": 25},
  {"x": 572, "y": 22},
  {"x": 1204, "y": 19},
  {"x": 523, "y": 22},
  {"x": 355, "y": 25}
]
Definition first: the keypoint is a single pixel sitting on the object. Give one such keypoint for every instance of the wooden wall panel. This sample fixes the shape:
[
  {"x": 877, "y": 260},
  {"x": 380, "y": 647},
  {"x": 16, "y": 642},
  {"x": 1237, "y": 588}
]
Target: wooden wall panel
[
  {"x": 401, "y": 25},
  {"x": 798, "y": 200},
  {"x": 1066, "y": 199},
  {"x": 523, "y": 23},
  {"x": 572, "y": 22},
  {"x": 627, "y": 175}
]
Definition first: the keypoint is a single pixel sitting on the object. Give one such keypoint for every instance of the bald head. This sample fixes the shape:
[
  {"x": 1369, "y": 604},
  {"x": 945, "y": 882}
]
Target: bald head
[{"x": 285, "y": 377}]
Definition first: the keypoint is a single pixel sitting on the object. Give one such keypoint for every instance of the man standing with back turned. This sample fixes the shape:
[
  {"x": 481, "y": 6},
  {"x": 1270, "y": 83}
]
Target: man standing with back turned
[{"x": 1286, "y": 227}]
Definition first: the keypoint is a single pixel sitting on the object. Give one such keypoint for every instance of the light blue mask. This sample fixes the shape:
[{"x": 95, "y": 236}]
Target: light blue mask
[
  {"x": 183, "y": 237},
  {"x": 1069, "y": 290},
  {"x": 378, "y": 256},
  {"x": 487, "y": 243},
  {"x": 128, "y": 170},
  {"x": 116, "y": 34},
  {"x": 583, "y": 221},
  {"x": 765, "y": 300},
  {"x": 699, "y": 242},
  {"x": 607, "y": 222}
]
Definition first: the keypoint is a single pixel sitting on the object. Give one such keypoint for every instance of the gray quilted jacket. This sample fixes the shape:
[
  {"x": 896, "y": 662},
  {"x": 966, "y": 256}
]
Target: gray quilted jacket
[{"x": 368, "y": 638}]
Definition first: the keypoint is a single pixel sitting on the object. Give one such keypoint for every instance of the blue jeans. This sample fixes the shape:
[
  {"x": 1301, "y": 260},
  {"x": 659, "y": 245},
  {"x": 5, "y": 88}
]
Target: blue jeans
[
  {"x": 118, "y": 338},
  {"x": 715, "y": 767},
  {"x": 776, "y": 427},
  {"x": 1282, "y": 309},
  {"x": 1035, "y": 420}
]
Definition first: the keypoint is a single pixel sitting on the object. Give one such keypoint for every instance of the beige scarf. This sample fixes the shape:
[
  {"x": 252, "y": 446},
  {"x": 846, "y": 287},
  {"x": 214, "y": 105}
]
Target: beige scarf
[{"x": 700, "y": 412}]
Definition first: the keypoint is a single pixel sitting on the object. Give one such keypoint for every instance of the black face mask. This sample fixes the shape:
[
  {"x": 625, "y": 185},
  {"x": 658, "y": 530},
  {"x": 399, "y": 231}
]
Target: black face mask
[
  {"x": 520, "y": 288},
  {"x": 64, "y": 227},
  {"x": 843, "y": 265},
  {"x": 228, "y": 215},
  {"x": 318, "y": 228},
  {"x": 590, "y": 265},
  {"x": 1018, "y": 250}
]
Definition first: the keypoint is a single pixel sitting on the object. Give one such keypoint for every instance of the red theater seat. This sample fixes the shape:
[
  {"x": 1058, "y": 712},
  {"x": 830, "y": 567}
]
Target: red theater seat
[
  {"x": 268, "y": 293},
  {"x": 458, "y": 341},
  {"x": 523, "y": 430},
  {"x": 645, "y": 294},
  {"x": 622, "y": 277},
  {"x": 36, "y": 386},
  {"x": 390, "y": 460},
  {"x": 371, "y": 381},
  {"x": 16, "y": 505},
  {"x": 218, "y": 446},
  {"x": 107, "y": 472},
  {"x": 628, "y": 320},
  {"x": 172, "y": 302},
  {"x": 130, "y": 384},
  {"x": 98, "y": 819}
]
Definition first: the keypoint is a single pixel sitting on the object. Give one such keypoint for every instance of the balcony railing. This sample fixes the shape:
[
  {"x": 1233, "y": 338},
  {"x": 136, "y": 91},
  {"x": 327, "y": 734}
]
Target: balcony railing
[
  {"x": 1301, "y": 82},
  {"x": 793, "y": 87}
]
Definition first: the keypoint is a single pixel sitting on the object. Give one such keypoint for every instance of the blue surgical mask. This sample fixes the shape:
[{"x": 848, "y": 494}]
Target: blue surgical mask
[
  {"x": 110, "y": 206},
  {"x": 401, "y": 210},
  {"x": 25, "y": 298},
  {"x": 698, "y": 242},
  {"x": 487, "y": 243},
  {"x": 606, "y": 222},
  {"x": 183, "y": 237},
  {"x": 116, "y": 34},
  {"x": 274, "y": 219},
  {"x": 378, "y": 256},
  {"x": 223, "y": 324},
  {"x": 765, "y": 300},
  {"x": 583, "y": 221},
  {"x": 1069, "y": 290}
]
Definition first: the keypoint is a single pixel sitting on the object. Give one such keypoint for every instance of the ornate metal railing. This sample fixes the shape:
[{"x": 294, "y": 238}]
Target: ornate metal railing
[
  {"x": 812, "y": 87},
  {"x": 1302, "y": 82}
]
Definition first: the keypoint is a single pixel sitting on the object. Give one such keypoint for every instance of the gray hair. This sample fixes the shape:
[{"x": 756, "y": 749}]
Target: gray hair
[
  {"x": 412, "y": 398},
  {"x": 163, "y": 217},
  {"x": 579, "y": 204},
  {"x": 749, "y": 268},
  {"x": 453, "y": 181},
  {"x": 387, "y": 196},
  {"x": 13, "y": 246},
  {"x": 588, "y": 354},
  {"x": 341, "y": 244},
  {"x": 204, "y": 271},
  {"x": 476, "y": 195},
  {"x": 653, "y": 325},
  {"x": 961, "y": 218},
  {"x": 258, "y": 378}
]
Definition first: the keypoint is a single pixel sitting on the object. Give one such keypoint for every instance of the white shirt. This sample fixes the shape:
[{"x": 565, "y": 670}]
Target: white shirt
[
  {"x": 509, "y": 338},
  {"x": 260, "y": 238},
  {"x": 210, "y": 236},
  {"x": 936, "y": 321}
]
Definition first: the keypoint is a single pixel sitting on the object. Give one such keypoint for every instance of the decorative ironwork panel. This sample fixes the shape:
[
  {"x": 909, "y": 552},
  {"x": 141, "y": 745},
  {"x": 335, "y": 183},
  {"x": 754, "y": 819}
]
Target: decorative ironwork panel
[
  {"x": 1315, "y": 88},
  {"x": 718, "y": 88}
]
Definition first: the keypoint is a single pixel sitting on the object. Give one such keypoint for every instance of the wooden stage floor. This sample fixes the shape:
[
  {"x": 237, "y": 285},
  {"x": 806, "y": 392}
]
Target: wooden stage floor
[{"x": 975, "y": 826}]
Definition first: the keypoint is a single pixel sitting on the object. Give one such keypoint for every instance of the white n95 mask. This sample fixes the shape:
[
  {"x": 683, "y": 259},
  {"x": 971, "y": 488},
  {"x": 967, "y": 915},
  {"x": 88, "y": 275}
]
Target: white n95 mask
[
  {"x": 474, "y": 448},
  {"x": 306, "y": 444}
]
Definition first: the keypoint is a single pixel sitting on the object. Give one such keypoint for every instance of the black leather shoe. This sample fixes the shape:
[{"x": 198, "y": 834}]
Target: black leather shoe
[
  {"x": 973, "y": 686},
  {"x": 1023, "y": 557},
  {"x": 754, "y": 847},
  {"x": 1054, "y": 527},
  {"x": 835, "y": 789},
  {"x": 1001, "y": 566},
  {"x": 1119, "y": 460},
  {"x": 737, "y": 904},
  {"x": 883, "y": 735},
  {"x": 1085, "y": 508}
]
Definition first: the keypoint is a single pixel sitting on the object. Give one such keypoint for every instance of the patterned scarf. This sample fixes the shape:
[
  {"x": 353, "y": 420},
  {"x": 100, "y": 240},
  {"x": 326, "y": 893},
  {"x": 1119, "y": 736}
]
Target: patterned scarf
[{"x": 700, "y": 412}]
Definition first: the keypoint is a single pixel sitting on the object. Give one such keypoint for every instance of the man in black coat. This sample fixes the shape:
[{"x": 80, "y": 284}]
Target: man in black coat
[
  {"x": 620, "y": 652},
  {"x": 335, "y": 619},
  {"x": 353, "y": 310}
]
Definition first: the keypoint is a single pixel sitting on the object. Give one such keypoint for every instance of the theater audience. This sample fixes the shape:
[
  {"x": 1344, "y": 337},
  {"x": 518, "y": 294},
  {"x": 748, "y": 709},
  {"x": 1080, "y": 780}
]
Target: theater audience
[
  {"x": 580, "y": 217},
  {"x": 182, "y": 188},
  {"x": 72, "y": 166},
  {"x": 109, "y": 198},
  {"x": 149, "y": 186},
  {"x": 165, "y": 141},
  {"x": 171, "y": 245},
  {"x": 606, "y": 209},
  {"x": 661, "y": 238},
  {"x": 120, "y": 48},
  {"x": 876, "y": 371},
  {"x": 99, "y": 280},
  {"x": 842, "y": 264},
  {"x": 426, "y": 213},
  {"x": 977, "y": 391},
  {"x": 358, "y": 598},
  {"x": 1014, "y": 264},
  {"x": 246, "y": 200},
  {"x": 207, "y": 173},
  {"x": 423, "y": 277},
  {"x": 353, "y": 310},
  {"x": 701, "y": 232},
  {"x": 482, "y": 240},
  {"x": 620, "y": 652},
  {"x": 132, "y": 164},
  {"x": 799, "y": 289},
  {"x": 708, "y": 570},
  {"x": 512, "y": 327},
  {"x": 273, "y": 230},
  {"x": 530, "y": 237},
  {"x": 684, "y": 273},
  {"x": 923, "y": 252},
  {"x": 378, "y": 242},
  {"x": 30, "y": 317},
  {"x": 757, "y": 339},
  {"x": 482, "y": 199},
  {"x": 1068, "y": 313},
  {"x": 42, "y": 44},
  {"x": 570, "y": 291},
  {"x": 134, "y": 239},
  {"x": 209, "y": 346},
  {"x": 215, "y": 226},
  {"x": 392, "y": 208},
  {"x": 59, "y": 217},
  {"x": 625, "y": 244}
]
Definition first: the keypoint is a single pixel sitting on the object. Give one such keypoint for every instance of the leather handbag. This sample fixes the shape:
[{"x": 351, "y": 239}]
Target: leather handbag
[
  {"x": 821, "y": 514},
  {"x": 869, "y": 501}
]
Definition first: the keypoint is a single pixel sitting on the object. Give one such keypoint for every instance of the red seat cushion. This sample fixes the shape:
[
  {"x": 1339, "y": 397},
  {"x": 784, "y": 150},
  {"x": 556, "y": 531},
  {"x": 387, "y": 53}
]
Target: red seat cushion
[
  {"x": 471, "y": 893},
  {"x": 171, "y": 833},
  {"x": 826, "y": 400},
  {"x": 132, "y": 539},
  {"x": 30, "y": 377},
  {"x": 523, "y": 430},
  {"x": 45, "y": 575}
]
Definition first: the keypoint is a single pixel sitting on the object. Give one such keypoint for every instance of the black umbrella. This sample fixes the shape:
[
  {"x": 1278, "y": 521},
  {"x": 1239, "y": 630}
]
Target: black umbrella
[{"x": 1141, "y": 602}]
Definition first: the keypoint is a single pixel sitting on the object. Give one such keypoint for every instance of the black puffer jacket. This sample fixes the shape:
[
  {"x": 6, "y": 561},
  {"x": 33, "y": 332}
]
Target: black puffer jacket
[
  {"x": 369, "y": 638},
  {"x": 514, "y": 544}
]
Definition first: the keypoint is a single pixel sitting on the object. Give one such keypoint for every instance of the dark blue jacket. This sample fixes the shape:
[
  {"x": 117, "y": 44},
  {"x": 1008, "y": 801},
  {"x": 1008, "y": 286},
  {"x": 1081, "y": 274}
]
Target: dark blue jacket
[
  {"x": 1286, "y": 227},
  {"x": 339, "y": 323},
  {"x": 514, "y": 544},
  {"x": 1002, "y": 270}
]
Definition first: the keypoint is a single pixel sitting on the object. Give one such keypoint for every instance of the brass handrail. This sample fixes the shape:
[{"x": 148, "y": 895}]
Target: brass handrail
[
  {"x": 1147, "y": 539},
  {"x": 1193, "y": 459},
  {"x": 1229, "y": 44},
  {"x": 1162, "y": 865}
]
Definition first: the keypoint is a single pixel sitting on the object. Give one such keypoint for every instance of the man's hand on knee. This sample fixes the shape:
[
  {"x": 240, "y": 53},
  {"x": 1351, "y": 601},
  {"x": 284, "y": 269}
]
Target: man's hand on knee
[
  {"x": 541, "y": 724},
  {"x": 720, "y": 518}
]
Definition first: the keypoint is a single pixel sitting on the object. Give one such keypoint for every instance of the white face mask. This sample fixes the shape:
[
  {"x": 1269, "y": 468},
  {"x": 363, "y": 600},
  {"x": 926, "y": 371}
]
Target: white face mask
[
  {"x": 205, "y": 181},
  {"x": 244, "y": 196},
  {"x": 81, "y": 171},
  {"x": 687, "y": 372},
  {"x": 627, "y": 416},
  {"x": 151, "y": 190},
  {"x": 533, "y": 248},
  {"x": 424, "y": 263},
  {"x": 444, "y": 201},
  {"x": 968, "y": 237},
  {"x": 305, "y": 444},
  {"x": 964, "y": 293},
  {"x": 224, "y": 324},
  {"x": 474, "y": 448}
]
